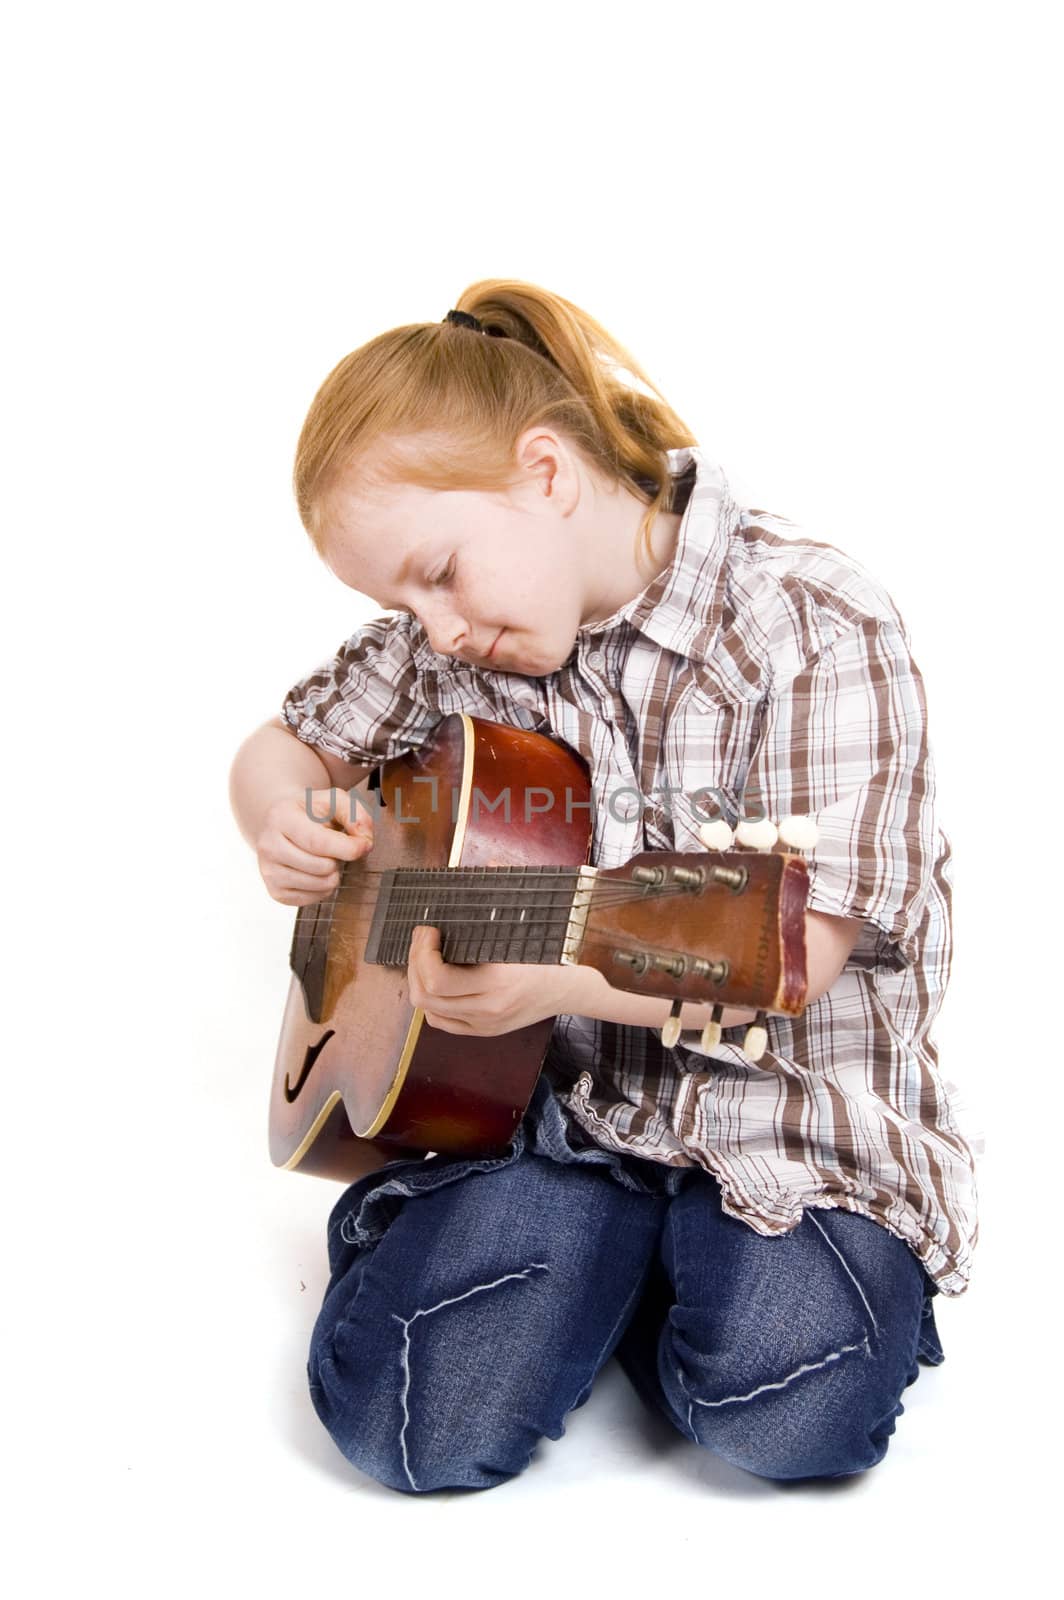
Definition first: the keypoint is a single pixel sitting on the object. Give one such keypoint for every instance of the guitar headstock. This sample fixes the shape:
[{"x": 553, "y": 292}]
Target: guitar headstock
[{"x": 724, "y": 928}]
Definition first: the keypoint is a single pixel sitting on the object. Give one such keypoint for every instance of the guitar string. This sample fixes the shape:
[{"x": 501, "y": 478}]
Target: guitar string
[
  {"x": 492, "y": 879},
  {"x": 404, "y": 905},
  {"x": 474, "y": 896},
  {"x": 505, "y": 873},
  {"x": 450, "y": 882},
  {"x": 407, "y": 897},
  {"x": 597, "y": 938}
]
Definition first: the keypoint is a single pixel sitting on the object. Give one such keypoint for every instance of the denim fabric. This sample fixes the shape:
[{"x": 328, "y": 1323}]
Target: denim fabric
[{"x": 460, "y": 1329}]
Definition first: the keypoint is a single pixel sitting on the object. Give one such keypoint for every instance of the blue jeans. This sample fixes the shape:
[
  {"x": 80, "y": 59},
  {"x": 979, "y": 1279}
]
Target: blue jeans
[{"x": 472, "y": 1303}]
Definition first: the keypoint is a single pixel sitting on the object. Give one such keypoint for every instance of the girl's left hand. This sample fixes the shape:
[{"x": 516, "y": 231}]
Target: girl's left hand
[{"x": 486, "y": 999}]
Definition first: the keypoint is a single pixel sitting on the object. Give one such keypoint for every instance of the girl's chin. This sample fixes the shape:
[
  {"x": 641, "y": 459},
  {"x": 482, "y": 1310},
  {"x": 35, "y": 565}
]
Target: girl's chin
[{"x": 533, "y": 664}]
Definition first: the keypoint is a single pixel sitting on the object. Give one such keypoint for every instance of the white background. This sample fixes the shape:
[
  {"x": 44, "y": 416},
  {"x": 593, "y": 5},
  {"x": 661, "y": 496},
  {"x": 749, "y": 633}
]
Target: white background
[{"x": 827, "y": 232}]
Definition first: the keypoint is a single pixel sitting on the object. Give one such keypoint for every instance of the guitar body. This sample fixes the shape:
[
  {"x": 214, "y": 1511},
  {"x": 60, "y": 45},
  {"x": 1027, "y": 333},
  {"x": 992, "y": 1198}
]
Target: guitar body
[{"x": 360, "y": 1079}]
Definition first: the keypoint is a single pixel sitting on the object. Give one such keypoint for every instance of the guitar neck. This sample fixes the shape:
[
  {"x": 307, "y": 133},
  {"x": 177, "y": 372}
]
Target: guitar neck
[{"x": 484, "y": 914}]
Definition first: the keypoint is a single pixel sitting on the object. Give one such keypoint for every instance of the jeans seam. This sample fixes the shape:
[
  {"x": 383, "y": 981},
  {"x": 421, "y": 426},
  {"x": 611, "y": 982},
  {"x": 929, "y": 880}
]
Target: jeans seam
[
  {"x": 427, "y": 1311},
  {"x": 849, "y": 1273}
]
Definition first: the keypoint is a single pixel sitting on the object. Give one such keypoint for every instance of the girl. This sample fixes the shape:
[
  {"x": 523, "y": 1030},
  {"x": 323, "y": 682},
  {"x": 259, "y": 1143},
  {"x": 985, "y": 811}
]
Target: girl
[{"x": 760, "y": 1243}]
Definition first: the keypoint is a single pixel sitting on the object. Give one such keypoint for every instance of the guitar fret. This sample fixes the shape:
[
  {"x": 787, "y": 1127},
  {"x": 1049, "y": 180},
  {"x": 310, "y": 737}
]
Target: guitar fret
[
  {"x": 508, "y": 924},
  {"x": 485, "y": 914}
]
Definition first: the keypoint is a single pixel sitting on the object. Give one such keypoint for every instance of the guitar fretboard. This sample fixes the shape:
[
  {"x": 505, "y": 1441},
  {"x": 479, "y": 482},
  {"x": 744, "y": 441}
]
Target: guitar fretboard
[{"x": 483, "y": 913}]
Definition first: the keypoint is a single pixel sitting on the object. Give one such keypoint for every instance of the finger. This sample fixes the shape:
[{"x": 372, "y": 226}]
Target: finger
[
  {"x": 351, "y": 814},
  {"x": 435, "y": 977},
  {"x": 304, "y": 883},
  {"x": 436, "y": 1019},
  {"x": 328, "y": 843},
  {"x": 345, "y": 843},
  {"x": 328, "y": 825},
  {"x": 310, "y": 881},
  {"x": 295, "y": 860},
  {"x": 299, "y": 900},
  {"x": 297, "y": 897},
  {"x": 419, "y": 975}
]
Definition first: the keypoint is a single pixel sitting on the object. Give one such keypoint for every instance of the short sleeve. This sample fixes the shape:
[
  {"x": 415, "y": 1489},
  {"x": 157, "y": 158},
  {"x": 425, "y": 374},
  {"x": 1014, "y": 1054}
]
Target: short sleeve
[
  {"x": 845, "y": 741},
  {"x": 363, "y": 705}
]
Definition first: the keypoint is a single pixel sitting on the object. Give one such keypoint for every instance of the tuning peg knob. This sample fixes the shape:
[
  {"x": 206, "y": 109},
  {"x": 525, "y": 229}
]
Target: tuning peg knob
[
  {"x": 716, "y": 835},
  {"x": 711, "y": 1031},
  {"x": 798, "y": 833},
  {"x": 755, "y": 1040},
  {"x": 670, "y": 1033},
  {"x": 757, "y": 835}
]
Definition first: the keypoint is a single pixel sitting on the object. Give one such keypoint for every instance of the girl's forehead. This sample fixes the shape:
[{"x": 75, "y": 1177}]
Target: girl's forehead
[
  {"x": 355, "y": 512},
  {"x": 380, "y": 533},
  {"x": 354, "y": 493},
  {"x": 400, "y": 510}
]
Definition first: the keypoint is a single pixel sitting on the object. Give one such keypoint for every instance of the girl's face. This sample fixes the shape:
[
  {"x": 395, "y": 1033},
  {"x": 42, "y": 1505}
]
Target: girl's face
[{"x": 500, "y": 580}]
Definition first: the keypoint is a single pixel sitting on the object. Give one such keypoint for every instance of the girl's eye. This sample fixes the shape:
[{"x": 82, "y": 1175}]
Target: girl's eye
[{"x": 446, "y": 575}]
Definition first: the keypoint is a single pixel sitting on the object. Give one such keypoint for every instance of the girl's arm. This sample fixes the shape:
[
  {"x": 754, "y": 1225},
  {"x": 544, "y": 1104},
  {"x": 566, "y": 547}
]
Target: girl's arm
[
  {"x": 828, "y": 942},
  {"x": 272, "y": 762}
]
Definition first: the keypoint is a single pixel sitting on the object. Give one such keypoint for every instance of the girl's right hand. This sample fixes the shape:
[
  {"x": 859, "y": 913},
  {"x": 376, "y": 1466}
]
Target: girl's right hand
[{"x": 300, "y": 856}]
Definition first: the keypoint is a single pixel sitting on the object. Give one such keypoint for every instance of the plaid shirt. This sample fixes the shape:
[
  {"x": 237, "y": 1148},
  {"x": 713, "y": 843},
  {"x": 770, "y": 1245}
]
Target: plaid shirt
[{"x": 774, "y": 671}]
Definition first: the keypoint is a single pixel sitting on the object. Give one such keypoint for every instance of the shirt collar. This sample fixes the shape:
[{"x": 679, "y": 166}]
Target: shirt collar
[{"x": 680, "y": 609}]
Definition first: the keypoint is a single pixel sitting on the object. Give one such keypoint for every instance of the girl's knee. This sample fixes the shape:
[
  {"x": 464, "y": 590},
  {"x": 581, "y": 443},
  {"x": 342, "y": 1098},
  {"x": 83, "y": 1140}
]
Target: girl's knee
[
  {"x": 408, "y": 1401},
  {"x": 777, "y": 1452},
  {"x": 831, "y": 1423},
  {"x": 373, "y": 1438},
  {"x": 803, "y": 1412}
]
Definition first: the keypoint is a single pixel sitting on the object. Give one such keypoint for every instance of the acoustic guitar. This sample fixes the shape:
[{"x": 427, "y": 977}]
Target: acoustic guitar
[{"x": 485, "y": 832}]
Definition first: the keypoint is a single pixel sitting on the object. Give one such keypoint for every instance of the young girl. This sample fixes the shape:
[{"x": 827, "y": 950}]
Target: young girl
[{"x": 759, "y": 1242}]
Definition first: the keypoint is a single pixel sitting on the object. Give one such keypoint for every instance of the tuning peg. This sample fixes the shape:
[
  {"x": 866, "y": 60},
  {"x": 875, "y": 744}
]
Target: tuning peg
[
  {"x": 756, "y": 835},
  {"x": 716, "y": 835},
  {"x": 755, "y": 1040},
  {"x": 670, "y": 1033},
  {"x": 711, "y": 1031},
  {"x": 798, "y": 833}
]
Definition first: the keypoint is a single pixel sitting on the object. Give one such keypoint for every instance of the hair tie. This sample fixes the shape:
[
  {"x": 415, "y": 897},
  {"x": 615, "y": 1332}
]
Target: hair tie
[{"x": 464, "y": 319}]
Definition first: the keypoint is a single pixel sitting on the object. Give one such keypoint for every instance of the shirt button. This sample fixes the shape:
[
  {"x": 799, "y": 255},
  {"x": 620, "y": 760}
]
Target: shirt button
[{"x": 596, "y": 659}]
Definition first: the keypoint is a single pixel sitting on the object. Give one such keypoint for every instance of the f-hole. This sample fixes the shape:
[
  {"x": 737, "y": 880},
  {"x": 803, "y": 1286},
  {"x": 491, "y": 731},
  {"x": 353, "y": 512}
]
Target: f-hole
[{"x": 292, "y": 1093}]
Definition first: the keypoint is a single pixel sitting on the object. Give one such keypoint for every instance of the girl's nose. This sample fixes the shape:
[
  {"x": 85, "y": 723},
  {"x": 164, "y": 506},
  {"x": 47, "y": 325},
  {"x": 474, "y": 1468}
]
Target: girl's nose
[{"x": 447, "y": 632}]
